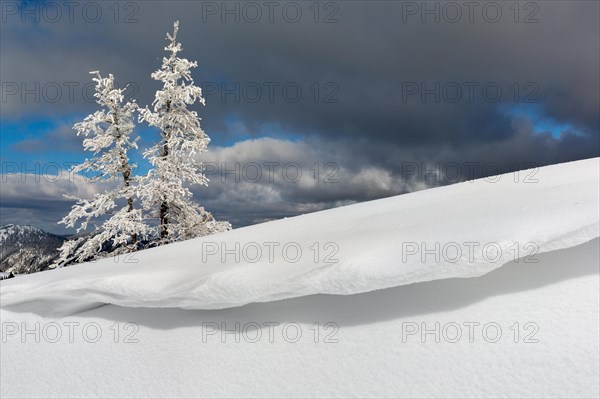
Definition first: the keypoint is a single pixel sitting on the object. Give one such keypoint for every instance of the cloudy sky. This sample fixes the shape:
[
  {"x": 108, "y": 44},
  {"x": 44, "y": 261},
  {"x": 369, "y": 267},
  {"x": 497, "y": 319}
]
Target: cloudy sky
[{"x": 309, "y": 105}]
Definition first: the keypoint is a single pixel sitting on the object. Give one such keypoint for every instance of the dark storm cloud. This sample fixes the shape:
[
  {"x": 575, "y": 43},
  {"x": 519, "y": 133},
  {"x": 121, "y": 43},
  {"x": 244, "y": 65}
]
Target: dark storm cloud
[{"x": 374, "y": 54}]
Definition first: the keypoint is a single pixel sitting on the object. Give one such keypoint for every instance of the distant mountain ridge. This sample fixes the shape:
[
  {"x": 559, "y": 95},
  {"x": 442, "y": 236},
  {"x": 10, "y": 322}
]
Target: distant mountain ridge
[{"x": 27, "y": 249}]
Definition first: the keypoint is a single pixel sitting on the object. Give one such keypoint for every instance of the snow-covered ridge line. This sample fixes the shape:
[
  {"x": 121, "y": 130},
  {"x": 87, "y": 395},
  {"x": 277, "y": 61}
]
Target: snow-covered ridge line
[
  {"x": 10, "y": 229},
  {"x": 352, "y": 249}
]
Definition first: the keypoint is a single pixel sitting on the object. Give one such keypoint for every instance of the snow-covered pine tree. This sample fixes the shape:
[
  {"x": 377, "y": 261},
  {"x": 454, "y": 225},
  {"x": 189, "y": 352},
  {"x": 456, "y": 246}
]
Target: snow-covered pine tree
[
  {"x": 174, "y": 158},
  {"x": 108, "y": 133}
]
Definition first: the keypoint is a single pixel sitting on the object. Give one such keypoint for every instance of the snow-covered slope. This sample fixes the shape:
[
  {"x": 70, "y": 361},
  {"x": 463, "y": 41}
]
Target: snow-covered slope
[
  {"x": 462, "y": 230},
  {"x": 527, "y": 329}
]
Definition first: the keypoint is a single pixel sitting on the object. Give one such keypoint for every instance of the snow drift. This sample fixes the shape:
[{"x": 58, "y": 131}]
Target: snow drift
[{"x": 462, "y": 230}]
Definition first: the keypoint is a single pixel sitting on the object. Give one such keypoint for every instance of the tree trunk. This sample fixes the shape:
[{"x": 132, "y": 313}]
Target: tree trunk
[
  {"x": 164, "y": 206},
  {"x": 127, "y": 178},
  {"x": 126, "y": 175},
  {"x": 164, "y": 220}
]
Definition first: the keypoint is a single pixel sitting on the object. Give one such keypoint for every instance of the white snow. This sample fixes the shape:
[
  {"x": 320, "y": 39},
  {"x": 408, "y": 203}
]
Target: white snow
[
  {"x": 179, "y": 353},
  {"x": 372, "y": 243}
]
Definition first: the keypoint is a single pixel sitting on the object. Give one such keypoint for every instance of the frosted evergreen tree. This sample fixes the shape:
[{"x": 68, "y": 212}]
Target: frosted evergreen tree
[
  {"x": 109, "y": 136},
  {"x": 165, "y": 191}
]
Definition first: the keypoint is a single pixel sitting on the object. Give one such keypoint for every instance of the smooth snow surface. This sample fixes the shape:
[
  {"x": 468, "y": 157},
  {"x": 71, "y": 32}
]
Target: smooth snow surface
[{"x": 347, "y": 250}]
